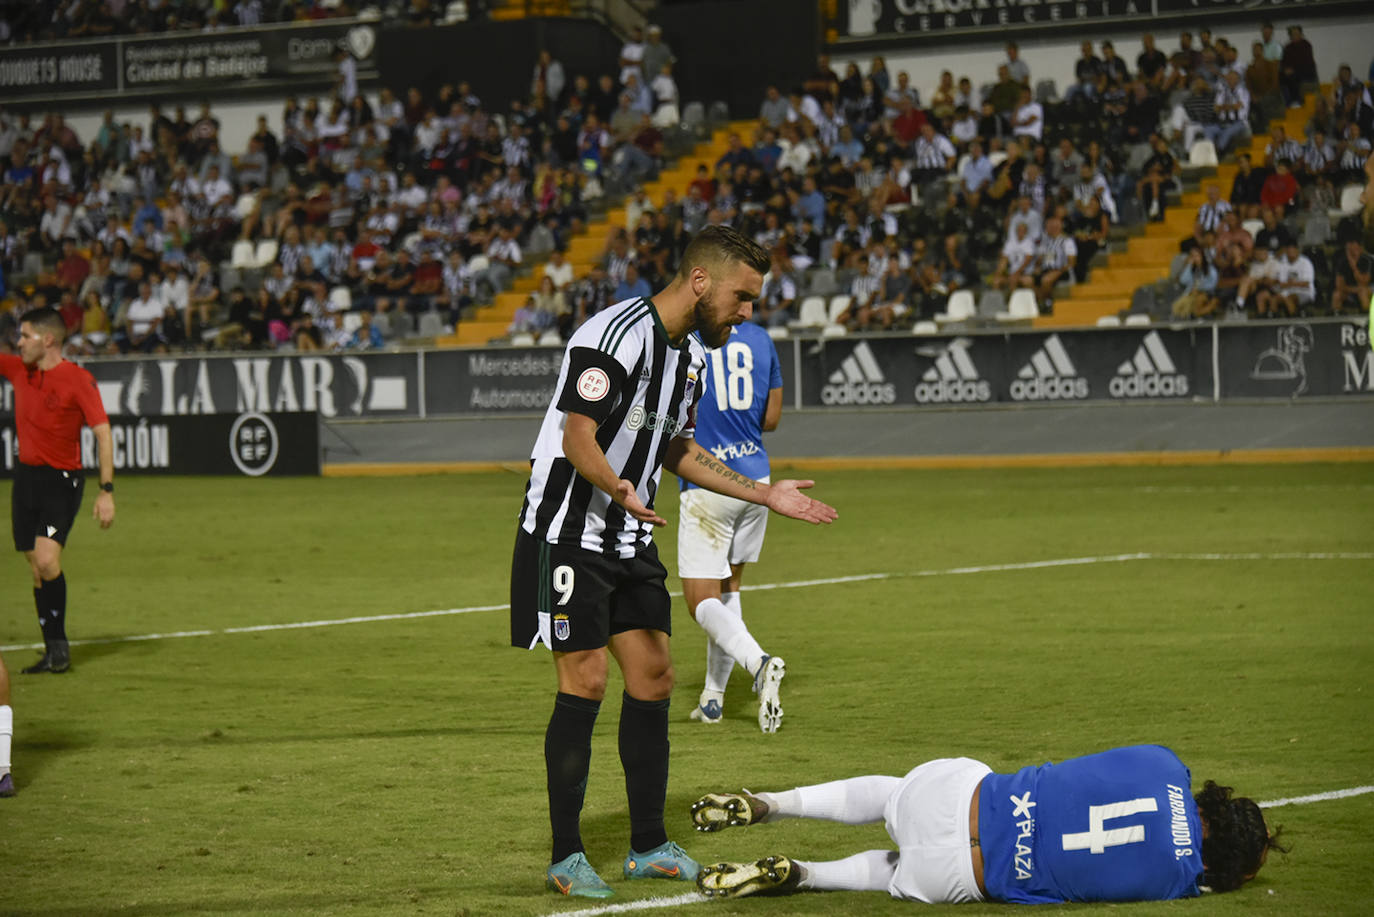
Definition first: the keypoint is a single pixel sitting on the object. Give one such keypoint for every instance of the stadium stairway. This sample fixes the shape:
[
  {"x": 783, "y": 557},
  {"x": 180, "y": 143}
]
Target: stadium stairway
[
  {"x": 1147, "y": 257},
  {"x": 584, "y": 249}
]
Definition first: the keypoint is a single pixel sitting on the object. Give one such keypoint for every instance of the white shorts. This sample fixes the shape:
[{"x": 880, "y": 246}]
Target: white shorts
[
  {"x": 927, "y": 817},
  {"x": 715, "y": 531}
]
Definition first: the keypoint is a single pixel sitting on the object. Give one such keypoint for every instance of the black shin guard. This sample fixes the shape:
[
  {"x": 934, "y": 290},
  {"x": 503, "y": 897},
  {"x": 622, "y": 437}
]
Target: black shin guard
[
  {"x": 51, "y": 601},
  {"x": 644, "y": 755},
  {"x": 567, "y": 758}
]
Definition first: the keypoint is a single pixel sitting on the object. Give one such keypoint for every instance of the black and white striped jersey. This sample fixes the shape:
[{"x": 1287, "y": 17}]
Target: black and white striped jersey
[
  {"x": 1053, "y": 252},
  {"x": 620, "y": 370}
]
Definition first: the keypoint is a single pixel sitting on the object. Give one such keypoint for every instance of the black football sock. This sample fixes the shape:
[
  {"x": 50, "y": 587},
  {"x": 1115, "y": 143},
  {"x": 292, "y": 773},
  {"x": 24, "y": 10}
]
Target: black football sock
[
  {"x": 51, "y": 601},
  {"x": 644, "y": 755},
  {"x": 567, "y": 758}
]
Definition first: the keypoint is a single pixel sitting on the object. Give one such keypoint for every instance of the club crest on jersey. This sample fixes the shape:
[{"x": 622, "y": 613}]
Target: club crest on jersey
[
  {"x": 593, "y": 384},
  {"x": 561, "y": 628}
]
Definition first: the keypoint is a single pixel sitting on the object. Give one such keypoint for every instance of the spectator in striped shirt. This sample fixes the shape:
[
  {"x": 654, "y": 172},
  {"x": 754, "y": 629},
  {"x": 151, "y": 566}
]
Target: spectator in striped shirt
[
  {"x": 1354, "y": 151},
  {"x": 1281, "y": 146},
  {"x": 1198, "y": 110},
  {"x": 1210, "y": 214},
  {"x": 935, "y": 156},
  {"x": 889, "y": 304},
  {"x": 1232, "y": 105},
  {"x": 1318, "y": 157},
  {"x": 1055, "y": 258}
]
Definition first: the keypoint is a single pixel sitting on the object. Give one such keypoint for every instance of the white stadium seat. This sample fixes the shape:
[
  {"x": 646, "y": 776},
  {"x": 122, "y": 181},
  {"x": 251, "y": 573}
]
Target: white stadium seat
[
  {"x": 1201, "y": 154},
  {"x": 243, "y": 254},
  {"x": 1022, "y": 307},
  {"x": 838, "y": 305},
  {"x": 812, "y": 312},
  {"x": 959, "y": 308}
]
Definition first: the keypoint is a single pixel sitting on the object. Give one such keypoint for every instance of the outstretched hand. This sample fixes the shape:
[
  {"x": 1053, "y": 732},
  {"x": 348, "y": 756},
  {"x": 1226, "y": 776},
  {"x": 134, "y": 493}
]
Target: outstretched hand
[
  {"x": 786, "y": 497},
  {"x": 625, "y": 495}
]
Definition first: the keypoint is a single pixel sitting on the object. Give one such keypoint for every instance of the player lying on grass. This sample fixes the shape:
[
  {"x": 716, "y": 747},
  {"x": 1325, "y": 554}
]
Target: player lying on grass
[{"x": 1121, "y": 825}]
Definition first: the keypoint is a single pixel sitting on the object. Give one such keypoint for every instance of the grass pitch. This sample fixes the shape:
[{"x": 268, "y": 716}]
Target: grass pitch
[{"x": 395, "y": 767}]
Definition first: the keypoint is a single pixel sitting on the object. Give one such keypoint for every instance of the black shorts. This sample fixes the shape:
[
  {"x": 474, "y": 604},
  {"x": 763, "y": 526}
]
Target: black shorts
[
  {"x": 570, "y": 598},
  {"x": 44, "y": 502}
]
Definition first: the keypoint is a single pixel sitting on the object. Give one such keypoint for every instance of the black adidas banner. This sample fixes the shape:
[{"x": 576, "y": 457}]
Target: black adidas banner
[{"x": 1118, "y": 365}]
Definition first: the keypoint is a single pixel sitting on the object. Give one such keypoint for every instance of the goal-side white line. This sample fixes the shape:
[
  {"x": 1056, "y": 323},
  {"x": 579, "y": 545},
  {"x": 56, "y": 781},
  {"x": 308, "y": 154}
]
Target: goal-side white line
[{"x": 795, "y": 584}]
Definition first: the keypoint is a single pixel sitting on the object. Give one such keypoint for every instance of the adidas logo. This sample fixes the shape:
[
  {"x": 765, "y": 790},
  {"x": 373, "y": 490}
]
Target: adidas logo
[
  {"x": 1049, "y": 375},
  {"x": 859, "y": 380},
  {"x": 1151, "y": 373},
  {"x": 953, "y": 378}
]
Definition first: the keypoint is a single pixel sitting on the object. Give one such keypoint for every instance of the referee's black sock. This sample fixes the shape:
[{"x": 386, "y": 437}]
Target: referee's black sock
[
  {"x": 644, "y": 755},
  {"x": 51, "y": 601},
  {"x": 567, "y": 757}
]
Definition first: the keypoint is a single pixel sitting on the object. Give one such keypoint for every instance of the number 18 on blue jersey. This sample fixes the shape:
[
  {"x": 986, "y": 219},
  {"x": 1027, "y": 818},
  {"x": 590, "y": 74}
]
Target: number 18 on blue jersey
[{"x": 739, "y": 376}]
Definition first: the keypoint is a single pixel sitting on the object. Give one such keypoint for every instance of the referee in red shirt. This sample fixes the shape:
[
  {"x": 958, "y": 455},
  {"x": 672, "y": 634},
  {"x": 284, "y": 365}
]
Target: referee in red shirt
[{"x": 53, "y": 400}]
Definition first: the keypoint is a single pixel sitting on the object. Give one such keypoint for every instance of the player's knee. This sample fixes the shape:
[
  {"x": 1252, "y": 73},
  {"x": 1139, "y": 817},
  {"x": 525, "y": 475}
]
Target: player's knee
[
  {"x": 587, "y": 681},
  {"x": 657, "y": 686},
  {"x": 47, "y": 566}
]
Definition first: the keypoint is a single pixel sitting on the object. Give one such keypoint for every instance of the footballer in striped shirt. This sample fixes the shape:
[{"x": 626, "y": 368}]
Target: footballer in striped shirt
[{"x": 585, "y": 577}]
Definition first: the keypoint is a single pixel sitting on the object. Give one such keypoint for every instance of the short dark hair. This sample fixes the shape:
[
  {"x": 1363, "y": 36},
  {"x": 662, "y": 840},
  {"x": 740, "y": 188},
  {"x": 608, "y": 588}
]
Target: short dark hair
[
  {"x": 1236, "y": 839},
  {"x": 716, "y": 246},
  {"x": 46, "y": 319}
]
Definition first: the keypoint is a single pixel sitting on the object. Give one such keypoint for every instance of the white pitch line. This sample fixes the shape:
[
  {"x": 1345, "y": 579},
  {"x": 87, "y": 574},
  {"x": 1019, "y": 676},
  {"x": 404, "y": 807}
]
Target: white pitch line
[
  {"x": 644, "y": 904},
  {"x": 1317, "y": 797},
  {"x": 693, "y": 898},
  {"x": 795, "y": 584}
]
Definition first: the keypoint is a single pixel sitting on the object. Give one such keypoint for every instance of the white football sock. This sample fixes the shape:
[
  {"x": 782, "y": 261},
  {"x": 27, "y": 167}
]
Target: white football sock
[
  {"x": 870, "y": 871},
  {"x": 730, "y": 634},
  {"x": 856, "y": 801},
  {"x": 6, "y": 734},
  {"x": 719, "y": 665}
]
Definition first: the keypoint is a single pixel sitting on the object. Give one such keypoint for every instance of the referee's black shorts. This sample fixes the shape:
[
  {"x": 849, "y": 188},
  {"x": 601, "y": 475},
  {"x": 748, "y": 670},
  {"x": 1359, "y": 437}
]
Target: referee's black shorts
[
  {"x": 44, "y": 503},
  {"x": 569, "y": 598}
]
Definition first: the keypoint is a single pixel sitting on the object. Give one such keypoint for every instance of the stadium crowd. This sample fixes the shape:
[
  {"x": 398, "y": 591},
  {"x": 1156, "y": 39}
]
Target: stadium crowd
[
  {"x": 354, "y": 223},
  {"x": 366, "y": 219},
  {"x": 24, "y": 21},
  {"x": 863, "y": 189},
  {"x": 1266, "y": 250}
]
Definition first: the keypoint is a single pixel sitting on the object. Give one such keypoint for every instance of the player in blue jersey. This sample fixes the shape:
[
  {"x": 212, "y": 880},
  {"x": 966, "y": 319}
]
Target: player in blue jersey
[
  {"x": 1121, "y": 825},
  {"x": 718, "y": 535}
]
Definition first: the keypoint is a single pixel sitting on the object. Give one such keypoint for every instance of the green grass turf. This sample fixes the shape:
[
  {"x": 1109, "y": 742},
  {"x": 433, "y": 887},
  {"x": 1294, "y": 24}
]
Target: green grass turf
[{"x": 396, "y": 767}]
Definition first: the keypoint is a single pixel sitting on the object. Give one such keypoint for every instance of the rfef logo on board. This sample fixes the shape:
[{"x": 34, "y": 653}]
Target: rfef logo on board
[{"x": 253, "y": 443}]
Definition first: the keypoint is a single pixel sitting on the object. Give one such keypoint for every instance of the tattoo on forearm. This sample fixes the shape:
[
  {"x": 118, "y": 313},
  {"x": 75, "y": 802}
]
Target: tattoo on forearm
[{"x": 706, "y": 460}]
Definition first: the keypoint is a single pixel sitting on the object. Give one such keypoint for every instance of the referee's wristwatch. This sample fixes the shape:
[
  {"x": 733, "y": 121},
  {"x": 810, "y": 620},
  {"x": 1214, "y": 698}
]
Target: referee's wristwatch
[{"x": 108, "y": 487}]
